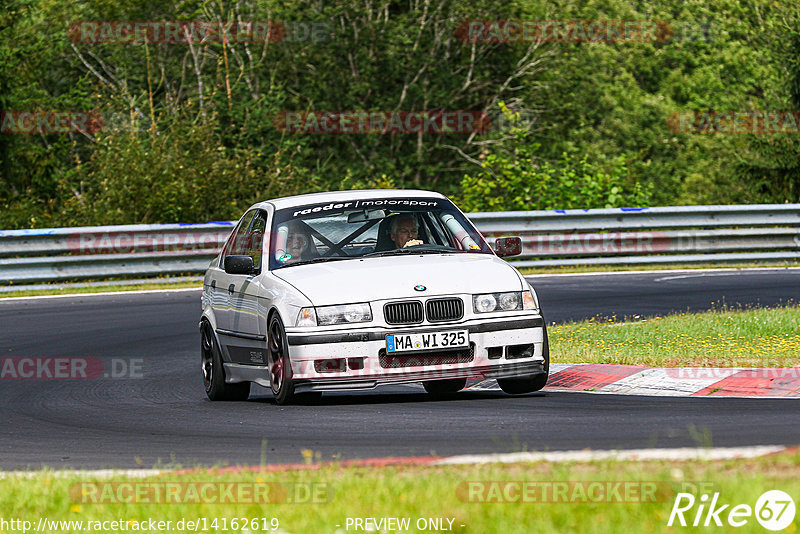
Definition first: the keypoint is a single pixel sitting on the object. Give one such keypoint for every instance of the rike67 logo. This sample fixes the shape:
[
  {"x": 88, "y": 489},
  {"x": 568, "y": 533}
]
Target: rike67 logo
[{"x": 774, "y": 510}]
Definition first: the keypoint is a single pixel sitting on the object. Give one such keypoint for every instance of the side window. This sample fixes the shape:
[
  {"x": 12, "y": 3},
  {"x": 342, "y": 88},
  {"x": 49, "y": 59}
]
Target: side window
[
  {"x": 239, "y": 245},
  {"x": 255, "y": 239},
  {"x": 236, "y": 236}
]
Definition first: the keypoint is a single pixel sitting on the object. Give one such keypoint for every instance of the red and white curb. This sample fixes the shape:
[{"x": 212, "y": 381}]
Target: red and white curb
[{"x": 669, "y": 382}]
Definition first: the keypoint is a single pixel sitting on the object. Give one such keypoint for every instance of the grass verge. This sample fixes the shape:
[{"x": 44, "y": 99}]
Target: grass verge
[
  {"x": 547, "y": 497},
  {"x": 763, "y": 337}
]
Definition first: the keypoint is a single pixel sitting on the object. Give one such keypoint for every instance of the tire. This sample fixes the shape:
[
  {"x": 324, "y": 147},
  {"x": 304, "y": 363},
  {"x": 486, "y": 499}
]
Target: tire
[
  {"x": 444, "y": 387},
  {"x": 278, "y": 362},
  {"x": 214, "y": 373},
  {"x": 531, "y": 383}
]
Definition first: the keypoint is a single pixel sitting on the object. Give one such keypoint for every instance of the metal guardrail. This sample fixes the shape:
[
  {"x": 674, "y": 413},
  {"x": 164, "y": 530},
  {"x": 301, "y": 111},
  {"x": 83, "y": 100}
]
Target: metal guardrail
[
  {"x": 638, "y": 236},
  {"x": 96, "y": 252},
  {"x": 691, "y": 234}
]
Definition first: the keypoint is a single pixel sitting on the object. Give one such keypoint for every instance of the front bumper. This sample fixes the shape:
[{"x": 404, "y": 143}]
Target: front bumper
[
  {"x": 356, "y": 358},
  {"x": 370, "y": 382}
]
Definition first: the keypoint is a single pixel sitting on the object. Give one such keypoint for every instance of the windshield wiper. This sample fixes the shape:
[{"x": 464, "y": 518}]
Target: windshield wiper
[
  {"x": 317, "y": 260},
  {"x": 412, "y": 250}
]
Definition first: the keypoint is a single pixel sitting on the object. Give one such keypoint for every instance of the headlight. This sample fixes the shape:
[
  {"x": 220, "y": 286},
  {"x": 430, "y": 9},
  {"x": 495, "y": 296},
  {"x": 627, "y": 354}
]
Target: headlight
[
  {"x": 328, "y": 315},
  {"x": 510, "y": 301},
  {"x": 484, "y": 303}
]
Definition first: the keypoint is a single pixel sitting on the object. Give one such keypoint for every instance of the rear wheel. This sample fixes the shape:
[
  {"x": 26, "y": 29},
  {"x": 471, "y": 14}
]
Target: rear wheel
[
  {"x": 278, "y": 361},
  {"x": 531, "y": 383},
  {"x": 444, "y": 387},
  {"x": 213, "y": 372}
]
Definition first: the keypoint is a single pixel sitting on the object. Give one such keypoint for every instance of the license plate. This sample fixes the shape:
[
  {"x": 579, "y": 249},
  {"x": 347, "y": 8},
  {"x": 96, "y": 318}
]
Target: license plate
[{"x": 427, "y": 341}]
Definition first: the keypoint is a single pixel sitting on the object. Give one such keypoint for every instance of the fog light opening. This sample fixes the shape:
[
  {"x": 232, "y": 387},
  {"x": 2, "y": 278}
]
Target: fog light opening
[
  {"x": 356, "y": 364},
  {"x": 516, "y": 352}
]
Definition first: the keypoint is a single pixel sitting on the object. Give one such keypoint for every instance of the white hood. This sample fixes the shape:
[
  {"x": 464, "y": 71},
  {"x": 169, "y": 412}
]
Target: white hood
[{"x": 347, "y": 281}]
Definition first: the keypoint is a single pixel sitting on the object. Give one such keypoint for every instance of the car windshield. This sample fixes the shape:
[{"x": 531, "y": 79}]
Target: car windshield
[{"x": 331, "y": 231}]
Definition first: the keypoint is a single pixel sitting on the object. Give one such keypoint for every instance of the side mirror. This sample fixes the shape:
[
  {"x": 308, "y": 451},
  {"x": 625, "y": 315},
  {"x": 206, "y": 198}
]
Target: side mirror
[
  {"x": 239, "y": 265},
  {"x": 508, "y": 246}
]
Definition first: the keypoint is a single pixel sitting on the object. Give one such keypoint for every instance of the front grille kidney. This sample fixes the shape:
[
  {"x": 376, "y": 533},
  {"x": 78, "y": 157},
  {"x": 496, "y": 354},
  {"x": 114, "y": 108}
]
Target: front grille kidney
[
  {"x": 450, "y": 309},
  {"x": 408, "y": 312}
]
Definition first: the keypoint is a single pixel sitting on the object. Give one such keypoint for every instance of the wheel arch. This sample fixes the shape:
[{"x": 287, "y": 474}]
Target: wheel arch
[{"x": 273, "y": 310}]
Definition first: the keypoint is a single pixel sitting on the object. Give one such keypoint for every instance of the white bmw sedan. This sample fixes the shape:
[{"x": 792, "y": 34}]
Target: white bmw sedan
[{"x": 354, "y": 289}]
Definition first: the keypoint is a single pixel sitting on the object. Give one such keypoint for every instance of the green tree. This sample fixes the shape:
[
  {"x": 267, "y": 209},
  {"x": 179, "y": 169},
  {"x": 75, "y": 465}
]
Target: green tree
[{"x": 518, "y": 179}]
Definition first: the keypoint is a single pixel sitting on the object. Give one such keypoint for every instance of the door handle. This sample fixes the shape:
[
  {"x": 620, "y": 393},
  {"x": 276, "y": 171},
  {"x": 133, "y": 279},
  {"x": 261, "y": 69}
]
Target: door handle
[
  {"x": 231, "y": 288},
  {"x": 213, "y": 284}
]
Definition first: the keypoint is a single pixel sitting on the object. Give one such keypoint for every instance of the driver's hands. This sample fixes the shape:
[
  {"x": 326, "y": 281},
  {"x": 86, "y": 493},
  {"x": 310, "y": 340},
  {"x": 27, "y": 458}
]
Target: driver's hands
[{"x": 412, "y": 242}]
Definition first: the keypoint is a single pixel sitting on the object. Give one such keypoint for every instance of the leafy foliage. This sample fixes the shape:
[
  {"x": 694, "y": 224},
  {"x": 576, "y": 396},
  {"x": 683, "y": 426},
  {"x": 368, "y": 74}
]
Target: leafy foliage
[
  {"x": 518, "y": 180},
  {"x": 189, "y": 131}
]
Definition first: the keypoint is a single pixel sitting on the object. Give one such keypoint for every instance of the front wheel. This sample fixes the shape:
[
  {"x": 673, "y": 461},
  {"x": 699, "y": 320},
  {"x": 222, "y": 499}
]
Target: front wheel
[
  {"x": 213, "y": 372},
  {"x": 278, "y": 361},
  {"x": 531, "y": 383}
]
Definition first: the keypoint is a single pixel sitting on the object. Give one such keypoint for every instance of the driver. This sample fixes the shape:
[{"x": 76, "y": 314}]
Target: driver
[
  {"x": 403, "y": 231},
  {"x": 299, "y": 244}
]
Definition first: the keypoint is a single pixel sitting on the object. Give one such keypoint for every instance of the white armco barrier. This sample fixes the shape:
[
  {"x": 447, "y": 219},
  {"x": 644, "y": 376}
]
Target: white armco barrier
[{"x": 683, "y": 234}]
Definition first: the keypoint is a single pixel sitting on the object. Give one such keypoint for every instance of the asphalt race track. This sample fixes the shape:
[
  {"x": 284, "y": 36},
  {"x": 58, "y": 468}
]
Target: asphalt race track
[
  {"x": 157, "y": 412},
  {"x": 580, "y": 297}
]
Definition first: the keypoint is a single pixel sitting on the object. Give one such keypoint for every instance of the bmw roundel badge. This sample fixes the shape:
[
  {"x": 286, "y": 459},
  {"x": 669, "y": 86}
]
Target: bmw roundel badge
[{"x": 419, "y": 288}]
